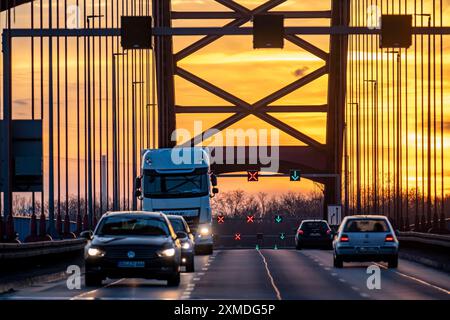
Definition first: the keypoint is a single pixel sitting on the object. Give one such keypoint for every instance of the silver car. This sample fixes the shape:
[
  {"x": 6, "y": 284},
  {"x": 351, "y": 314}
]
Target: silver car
[{"x": 365, "y": 238}]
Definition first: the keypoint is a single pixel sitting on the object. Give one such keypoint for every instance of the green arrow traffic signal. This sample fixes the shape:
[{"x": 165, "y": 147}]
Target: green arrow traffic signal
[
  {"x": 278, "y": 219},
  {"x": 282, "y": 235},
  {"x": 294, "y": 175}
]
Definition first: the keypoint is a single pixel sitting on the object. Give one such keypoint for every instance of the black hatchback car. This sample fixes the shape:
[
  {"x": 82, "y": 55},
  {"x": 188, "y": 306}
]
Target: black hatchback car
[
  {"x": 314, "y": 233},
  {"x": 133, "y": 245}
]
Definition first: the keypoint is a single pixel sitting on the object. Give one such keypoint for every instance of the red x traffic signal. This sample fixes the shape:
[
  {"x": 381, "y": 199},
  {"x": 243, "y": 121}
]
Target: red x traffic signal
[
  {"x": 237, "y": 236},
  {"x": 252, "y": 175},
  {"x": 220, "y": 219},
  {"x": 250, "y": 219}
]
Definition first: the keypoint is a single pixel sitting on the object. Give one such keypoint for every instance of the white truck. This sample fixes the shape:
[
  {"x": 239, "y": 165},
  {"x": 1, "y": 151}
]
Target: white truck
[{"x": 179, "y": 182}]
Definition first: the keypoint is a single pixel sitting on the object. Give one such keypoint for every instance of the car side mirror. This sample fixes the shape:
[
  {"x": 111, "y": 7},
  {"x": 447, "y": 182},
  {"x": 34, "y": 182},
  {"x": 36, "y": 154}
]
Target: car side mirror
[
  {"x": 88, "y": 235},
  {"x": 215, "y": 190},
  {"x": 213, "y": 180},
  {"x": 137, "y": 182},
  {"x": 181, "y": 235},
  {"x": 397, "y": 232}
]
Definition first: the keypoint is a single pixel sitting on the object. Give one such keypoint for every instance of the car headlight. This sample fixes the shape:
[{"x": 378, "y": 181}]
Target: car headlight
[
  {"x": 204, "y": 231},
  {"x": 167, "y": 252},
  {"x": 94, "y": 252},
  {"x": 186, "y": 245}
]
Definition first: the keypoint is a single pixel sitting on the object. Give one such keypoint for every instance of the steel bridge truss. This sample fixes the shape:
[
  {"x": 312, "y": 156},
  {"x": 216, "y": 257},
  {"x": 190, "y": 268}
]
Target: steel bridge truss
[{"x": 315, "y": 157}]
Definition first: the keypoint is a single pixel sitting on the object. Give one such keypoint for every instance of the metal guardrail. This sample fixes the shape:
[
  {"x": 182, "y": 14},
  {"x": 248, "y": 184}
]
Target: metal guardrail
[
  {"x": 9, "y": 251},
  {"x": 425, "y": 238}
]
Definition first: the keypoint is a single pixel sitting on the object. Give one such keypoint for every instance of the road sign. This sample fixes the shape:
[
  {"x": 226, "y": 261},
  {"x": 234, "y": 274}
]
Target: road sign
[
  {"x": 295, "y": 175},
  {"x": 334, "y": 215},
  {"x": 220, "y": 219},
  {"x": 278, "y": 219},
  {"x": 237, "y": 236},
  {"x": 252, "y": 175},
  {"x": 250, "y": 219},
  {"x": 282, "y": 235}
]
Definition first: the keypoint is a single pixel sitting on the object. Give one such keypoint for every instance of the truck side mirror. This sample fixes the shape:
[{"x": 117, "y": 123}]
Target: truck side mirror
[
  {"x": 138, "y": 193},
  {"x": 215, "y": 190},
  {"x": 138, "y": 182},
  {"x": 214, "y": 180}
]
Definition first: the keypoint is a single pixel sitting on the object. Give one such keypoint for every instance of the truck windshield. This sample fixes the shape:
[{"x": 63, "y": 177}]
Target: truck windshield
[{"x": 173, "y": 186}]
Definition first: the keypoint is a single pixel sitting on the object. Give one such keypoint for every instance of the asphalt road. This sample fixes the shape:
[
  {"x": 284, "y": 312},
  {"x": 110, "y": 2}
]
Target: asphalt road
[{"x": 266, "y": 275}]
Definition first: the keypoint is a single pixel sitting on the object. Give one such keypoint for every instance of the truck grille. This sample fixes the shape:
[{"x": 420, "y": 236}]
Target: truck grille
[{"x": 192, "y": 223}]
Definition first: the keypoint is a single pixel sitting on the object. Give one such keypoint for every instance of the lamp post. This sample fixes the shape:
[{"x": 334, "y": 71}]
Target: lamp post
[
  {"x": 134, "y": 139},
  {"x": 89, "y": 126},
  {"x": 397, "y": 191},
  {"x": 115, "y": 142},
  {"x": 374, "y": 142},
  {"x": 358, "y": 165}
]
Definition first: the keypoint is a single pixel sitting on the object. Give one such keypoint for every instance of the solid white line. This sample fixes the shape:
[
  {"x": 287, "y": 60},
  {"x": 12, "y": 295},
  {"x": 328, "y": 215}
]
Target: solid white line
[
  {"x": 270, "y": 276},
  {"x": 196, "y": 279},
  {"x": 364, "y": 295},
  {"x": 205, "y": 269},
  {"x": 417, "y": 280},
  {"x": 92, "y": 291}
]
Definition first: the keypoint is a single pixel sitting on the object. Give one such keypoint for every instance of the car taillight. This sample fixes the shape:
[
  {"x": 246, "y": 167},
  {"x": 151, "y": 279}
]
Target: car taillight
[
  {"x": 328, "y": 232},
  {"x": 344, "y": 238},
  {"x": 300, "y": 232},
  {"x": 389, "y": 238}
]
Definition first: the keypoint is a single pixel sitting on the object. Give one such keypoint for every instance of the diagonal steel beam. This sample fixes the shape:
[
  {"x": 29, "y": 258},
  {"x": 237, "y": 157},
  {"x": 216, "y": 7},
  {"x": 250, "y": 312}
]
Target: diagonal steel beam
[
  {"x": 203, "y": 42},
  {"x": 212, "y": 88},
  {"x": 307, "y": 46},
  {"x": 9, "y": 4},
  {"x": 291, "y": 87},
  {"x": 213, "y": 130},
  {"x": 235, "y": 109},
  {"x": 236, "y": 7},
  {"x": 290, "y": 130}
]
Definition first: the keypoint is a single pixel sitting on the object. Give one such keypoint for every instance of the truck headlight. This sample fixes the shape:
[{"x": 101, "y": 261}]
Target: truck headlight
[
  {"x": 95, "y": 252},
  {"x": 186, "y": 246},
  {"x": 167, "y": 252},
  {"x": 204, "y": 231}
]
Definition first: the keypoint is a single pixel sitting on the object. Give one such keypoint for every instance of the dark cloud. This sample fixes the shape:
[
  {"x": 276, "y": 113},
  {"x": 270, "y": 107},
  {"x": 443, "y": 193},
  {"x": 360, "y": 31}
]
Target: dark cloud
[{"x": 301, "y": 72}]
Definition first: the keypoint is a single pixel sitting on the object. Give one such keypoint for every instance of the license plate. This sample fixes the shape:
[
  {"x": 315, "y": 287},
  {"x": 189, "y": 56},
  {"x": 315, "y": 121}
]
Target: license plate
[
  {"x": 368, "y": 249},
  {"x": 131, "y": 264},
  {"x": 314, "y": 234}
]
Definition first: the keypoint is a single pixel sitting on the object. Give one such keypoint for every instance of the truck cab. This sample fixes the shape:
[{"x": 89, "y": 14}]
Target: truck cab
[{"x": 178, "y": 181}]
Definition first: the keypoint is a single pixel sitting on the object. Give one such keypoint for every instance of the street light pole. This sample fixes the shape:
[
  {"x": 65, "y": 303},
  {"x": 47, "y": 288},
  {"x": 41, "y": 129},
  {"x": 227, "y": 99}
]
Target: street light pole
[
  {"x": 89, "y": 126},
  {"x": 358, "y": 165},
  {"x": 134, "y": 138},
  {"x": 374, "y": 143},
  {"x": 115, "y": 142}
]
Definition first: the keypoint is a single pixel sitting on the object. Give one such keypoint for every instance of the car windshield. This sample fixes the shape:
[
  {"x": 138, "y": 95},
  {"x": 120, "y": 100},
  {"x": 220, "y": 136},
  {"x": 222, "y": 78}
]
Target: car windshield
[
  {"x": 127, "y": 226},
  {"x": 172, "y": 186},
  {"x": 312, "y": 225},
  {"x": 177, "y": 224},
  {"x": 366, "y": 225}
]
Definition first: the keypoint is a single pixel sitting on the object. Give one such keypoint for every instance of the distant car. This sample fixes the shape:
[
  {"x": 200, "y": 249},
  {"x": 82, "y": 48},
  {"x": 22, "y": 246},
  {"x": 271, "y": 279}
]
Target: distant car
[
  {"x": 313, "y": 233},
  {"x": 133, "y": 245},
  {"x": 365, "y": 238},
  {"x": 187, "y": 243}
]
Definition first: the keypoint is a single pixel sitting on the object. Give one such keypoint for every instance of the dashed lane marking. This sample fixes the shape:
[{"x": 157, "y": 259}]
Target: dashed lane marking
[
  {"x": 417, "y": 280},
  {"x": 272, "y": 282},
  {"x": 93, "y": 291}
]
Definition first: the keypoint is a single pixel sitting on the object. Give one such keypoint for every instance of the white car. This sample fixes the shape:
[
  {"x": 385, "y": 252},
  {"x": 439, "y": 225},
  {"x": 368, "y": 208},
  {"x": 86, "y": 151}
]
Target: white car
[{"x": 365, "y": 238}]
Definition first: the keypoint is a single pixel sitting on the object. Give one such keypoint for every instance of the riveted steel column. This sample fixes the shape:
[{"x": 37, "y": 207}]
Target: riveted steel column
[
  {"x": 165, "y": 74},
  {"x": 337, "y": 65}
]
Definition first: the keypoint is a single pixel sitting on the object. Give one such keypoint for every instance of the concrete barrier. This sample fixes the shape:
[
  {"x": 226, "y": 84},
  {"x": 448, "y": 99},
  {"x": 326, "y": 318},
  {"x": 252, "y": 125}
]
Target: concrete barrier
[
  {"x": 10, "y": 251},
  {"x": 425, "y": 238}
]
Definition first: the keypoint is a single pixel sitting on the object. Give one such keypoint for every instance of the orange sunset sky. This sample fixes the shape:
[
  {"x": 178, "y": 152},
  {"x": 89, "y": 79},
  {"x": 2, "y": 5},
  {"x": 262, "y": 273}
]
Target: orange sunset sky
[{"x": 232, "y": 64}]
